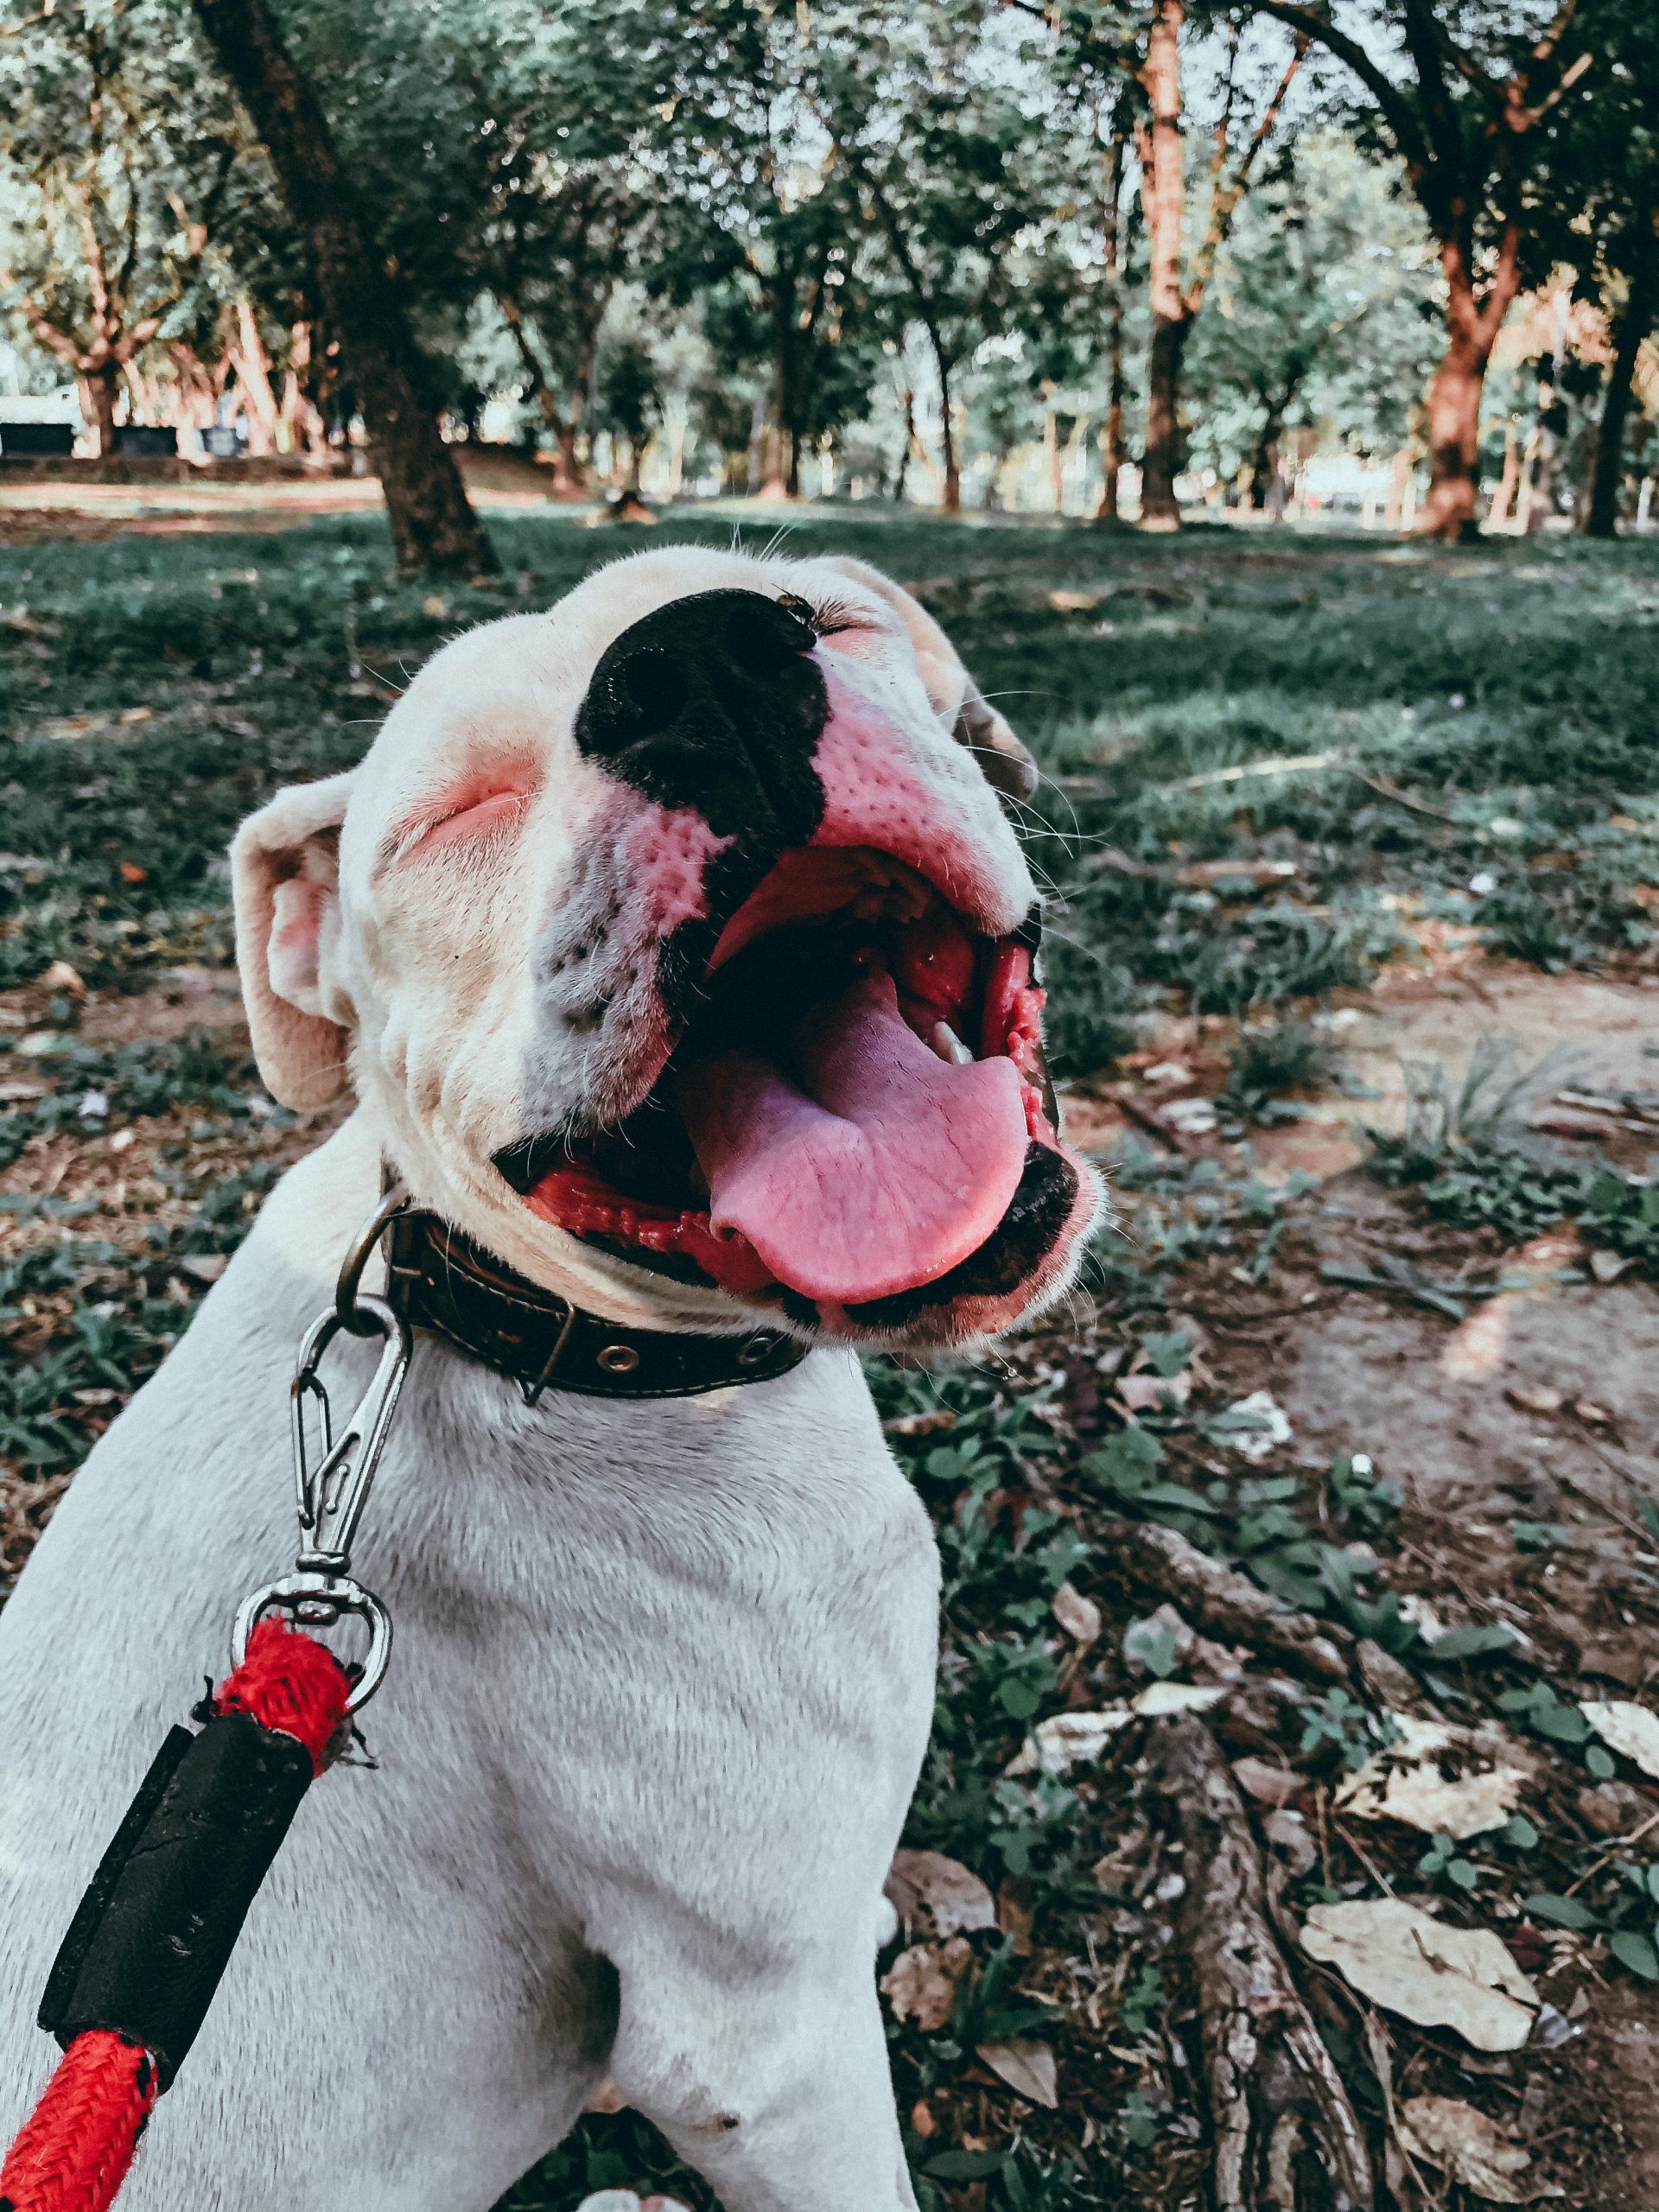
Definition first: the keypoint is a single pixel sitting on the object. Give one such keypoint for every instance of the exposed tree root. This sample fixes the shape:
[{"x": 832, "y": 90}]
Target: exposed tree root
[
  {"x": 1285, "y": 2136},
  {"x": 1218, "y": 1598}
]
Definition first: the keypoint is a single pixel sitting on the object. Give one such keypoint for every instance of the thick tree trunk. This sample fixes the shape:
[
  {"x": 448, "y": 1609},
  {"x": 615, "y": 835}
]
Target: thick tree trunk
[
  {"x": 101, "y": 384},
  {"x": 566, "y": 468},
  {"x": 1455, "y": 391},
  {"x": 1602, "y": 519},
  {"x": 433, "y": 526},
  {"x": 1454, "y": 441},
  {"x": 252, "y": 364},
  {"x": 1162, "y": 462}
]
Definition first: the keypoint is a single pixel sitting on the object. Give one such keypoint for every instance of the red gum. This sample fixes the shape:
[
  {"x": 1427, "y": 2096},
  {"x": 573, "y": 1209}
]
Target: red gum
[{"x": 576, "y": 1201}]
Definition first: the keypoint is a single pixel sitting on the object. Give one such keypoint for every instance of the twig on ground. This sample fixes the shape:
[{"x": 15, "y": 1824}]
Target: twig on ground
[
  {"x": 1608, "y": 1856},
  {"x": 1218, "y": 1598},
  {"x": 1287, "y": 2139},
  {"x": 1150, "y": 1118},
  {"x": 1384, "y": 789},
  {"x": 1288, "y": 764},
  {"x": 1622, "y": 1520}
]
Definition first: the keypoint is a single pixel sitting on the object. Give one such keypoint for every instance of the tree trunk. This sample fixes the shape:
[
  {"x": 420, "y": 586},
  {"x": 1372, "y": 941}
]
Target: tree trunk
[
  {"x": 947, "y": 428},
  {"x": 247, "y": 350},
  {"x": 1162, "y": 462},
  {"x": 904, "y": 450},
  {"x": 1454, "y": 441},
  {"x": 566, "y": 468},
  {"x": 433, "y": 526},
  {"x": 1164, "y": 189},
  {"x": 1112, "y": 443},
  {"x": 1455, "y": 391},
  {"x": 1264, "y": 461},
  {"x": 101, "y": 384},
  {"x": 1503, "y": 498},
  {"x": 775, "y": 481},
  {"x": 1602, "y": 520}
]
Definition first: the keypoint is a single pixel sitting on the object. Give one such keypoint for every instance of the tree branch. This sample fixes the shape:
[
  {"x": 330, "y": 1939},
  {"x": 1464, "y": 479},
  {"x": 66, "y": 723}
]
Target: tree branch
[
  {"x": 1395, "y": 107},
  {"x": 1223, "y": 202}
]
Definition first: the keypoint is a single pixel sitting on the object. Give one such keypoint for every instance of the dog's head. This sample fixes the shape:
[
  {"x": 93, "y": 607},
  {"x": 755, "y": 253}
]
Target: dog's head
[{"x": 679, "y": 947}]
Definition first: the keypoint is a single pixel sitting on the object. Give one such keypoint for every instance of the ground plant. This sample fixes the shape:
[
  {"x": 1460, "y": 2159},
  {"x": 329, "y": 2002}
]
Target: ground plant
[{"x": 1439, "y": 749}]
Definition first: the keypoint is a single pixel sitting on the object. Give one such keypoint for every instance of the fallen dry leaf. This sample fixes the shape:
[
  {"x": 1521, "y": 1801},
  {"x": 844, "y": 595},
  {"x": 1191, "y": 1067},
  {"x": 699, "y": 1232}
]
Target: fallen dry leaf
[
  {"x": 1016, "y": 1921},
  {"x": 1477, "y": 1346},
  {"x": 952, "y": 1895},
  {"x": 1075, "y": 602},
  {"x": 1147, "y": 1394},
  {"x": 1591, "y": 1414},
  {"x": 1077, "y": 1615},
  {"x": 1264, "y": 1426},
  {"x": 1269, "y": 1785},
  {"x": 1542, "y": 1256},
  {"x": 1537, "y": 1398},
  {"x": 1429, "y": 1624},
  {"x": 1069, "y": 1739},
  {"x": 927, "y": 1424},
  {"x": 1412, "y": 1964},
  {"x": 921, "y": 1983},
  {"x": 1404, "y": 1783},
  {"x": 1028, "y": 2068},
  {"x": 1159, "y": 1700},
  {"x": 1466, "y": 2147},
  {"x": 1630, "y": 1729}
]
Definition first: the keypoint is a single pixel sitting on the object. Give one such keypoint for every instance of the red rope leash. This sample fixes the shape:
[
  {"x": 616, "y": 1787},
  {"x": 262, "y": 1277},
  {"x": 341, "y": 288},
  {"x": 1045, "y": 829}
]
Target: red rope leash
[{"x": 74, "y": 2150}]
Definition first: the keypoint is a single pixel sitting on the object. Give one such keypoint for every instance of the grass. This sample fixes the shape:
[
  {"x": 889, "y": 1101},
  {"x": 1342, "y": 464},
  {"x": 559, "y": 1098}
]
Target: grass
[{"x": 1482, "y": 728}]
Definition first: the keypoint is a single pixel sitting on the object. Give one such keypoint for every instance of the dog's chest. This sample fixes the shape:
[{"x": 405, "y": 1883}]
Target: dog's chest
[{"x": 653, "y": 1594}]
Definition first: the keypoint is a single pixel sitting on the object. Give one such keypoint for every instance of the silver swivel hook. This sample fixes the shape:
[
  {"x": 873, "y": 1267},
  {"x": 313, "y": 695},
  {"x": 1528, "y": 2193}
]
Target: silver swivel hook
[{"x": 332, "y": 1493}]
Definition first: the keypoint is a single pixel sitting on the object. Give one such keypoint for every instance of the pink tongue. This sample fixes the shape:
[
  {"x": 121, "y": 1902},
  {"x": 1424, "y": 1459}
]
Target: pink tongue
[{"x": 880, "y": 1170}]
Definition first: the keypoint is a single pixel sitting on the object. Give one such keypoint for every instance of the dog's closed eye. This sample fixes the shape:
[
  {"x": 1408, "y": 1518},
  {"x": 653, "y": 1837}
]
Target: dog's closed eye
[{"x": 467, "y": 811}]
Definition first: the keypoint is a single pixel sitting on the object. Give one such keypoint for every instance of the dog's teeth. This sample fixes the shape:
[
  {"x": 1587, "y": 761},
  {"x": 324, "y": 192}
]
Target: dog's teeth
[{"x": 949, "y": 1045}]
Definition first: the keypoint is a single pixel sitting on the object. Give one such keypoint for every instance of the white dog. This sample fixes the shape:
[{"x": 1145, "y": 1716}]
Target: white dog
[{"x": 678, "y": 952}]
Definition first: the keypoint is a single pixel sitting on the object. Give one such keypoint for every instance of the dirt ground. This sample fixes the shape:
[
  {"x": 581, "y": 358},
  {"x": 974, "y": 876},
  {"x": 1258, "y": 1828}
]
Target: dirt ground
[{"x": 1345, "y": 1434}]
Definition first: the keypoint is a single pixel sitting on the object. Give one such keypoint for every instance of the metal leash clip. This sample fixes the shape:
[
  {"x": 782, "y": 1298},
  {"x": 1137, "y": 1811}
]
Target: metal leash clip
[{"x": 332, "y": 1494}]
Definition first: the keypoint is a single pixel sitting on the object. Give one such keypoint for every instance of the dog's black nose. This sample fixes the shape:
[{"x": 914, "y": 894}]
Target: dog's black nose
[{"x": 715, "y": 702}]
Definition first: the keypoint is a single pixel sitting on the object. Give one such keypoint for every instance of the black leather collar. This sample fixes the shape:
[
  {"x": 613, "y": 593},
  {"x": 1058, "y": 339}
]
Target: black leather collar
[{"x": 439, "y": 1279}]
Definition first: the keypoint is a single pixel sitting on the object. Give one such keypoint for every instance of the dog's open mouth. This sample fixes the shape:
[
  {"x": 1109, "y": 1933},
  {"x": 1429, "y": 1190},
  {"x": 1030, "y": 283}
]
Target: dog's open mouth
[{"x": 857, "y": 1108}]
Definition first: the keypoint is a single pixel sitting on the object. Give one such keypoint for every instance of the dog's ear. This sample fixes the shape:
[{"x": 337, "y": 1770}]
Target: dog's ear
[
  {"x": 1007, "y": 766},
  {"x": 285, "y": 884}
]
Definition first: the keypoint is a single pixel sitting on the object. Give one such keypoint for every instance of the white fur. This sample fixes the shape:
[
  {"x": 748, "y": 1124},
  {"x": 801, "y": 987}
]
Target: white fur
[{"x": 664, "y": 1670}]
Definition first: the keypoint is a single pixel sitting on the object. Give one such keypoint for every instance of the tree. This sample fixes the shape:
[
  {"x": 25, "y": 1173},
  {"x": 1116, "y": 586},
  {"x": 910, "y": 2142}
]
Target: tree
[
  {"x": 1604, "y": 180},
  {"x": 433, "y": 525},
  {"x": 1463, "y": 101},
  {"x": 118, "y": 162},
  {"x": 1317, "y": 311},
  {"x": 1178, "y": 291},
  {"x": 763, "y": 227},
  {"x": 955, "y": 171}
]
